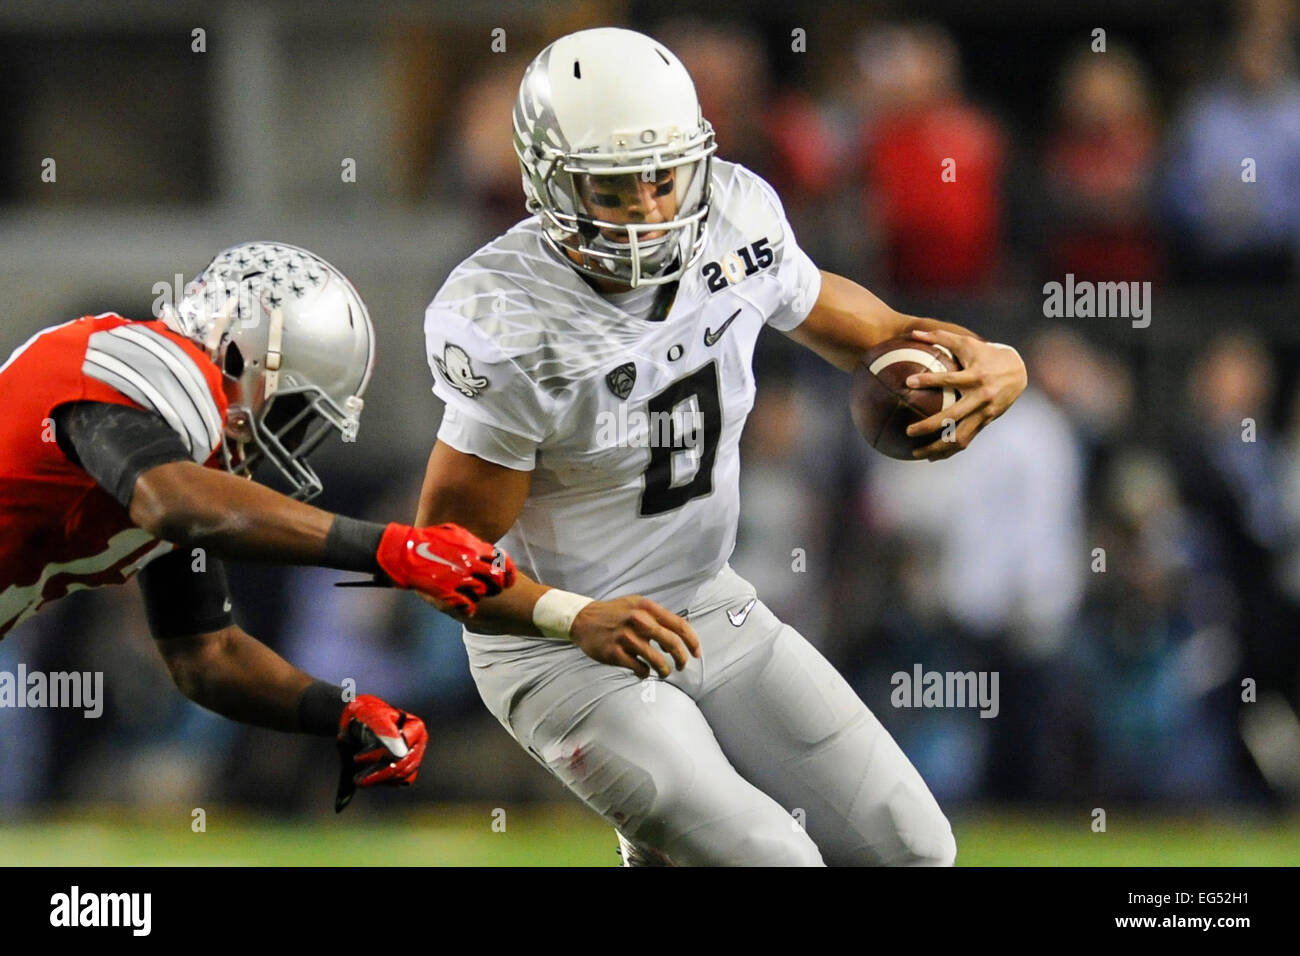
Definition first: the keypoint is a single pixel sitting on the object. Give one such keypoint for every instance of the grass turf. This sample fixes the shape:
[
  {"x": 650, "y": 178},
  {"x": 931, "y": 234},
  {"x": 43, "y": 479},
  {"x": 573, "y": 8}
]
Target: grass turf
[{"x": 569, "y": 836}]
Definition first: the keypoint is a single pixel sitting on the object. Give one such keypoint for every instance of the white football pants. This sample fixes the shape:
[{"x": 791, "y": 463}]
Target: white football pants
[{"x": 759, "y": 754}]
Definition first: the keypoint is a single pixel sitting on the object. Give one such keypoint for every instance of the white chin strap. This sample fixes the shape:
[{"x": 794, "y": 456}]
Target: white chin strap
[{"x": 274, "y": 353}]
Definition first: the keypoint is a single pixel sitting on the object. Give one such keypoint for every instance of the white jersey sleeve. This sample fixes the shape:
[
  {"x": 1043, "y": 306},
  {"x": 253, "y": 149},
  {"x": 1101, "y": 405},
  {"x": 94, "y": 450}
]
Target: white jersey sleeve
[
  {"x": 494, "y": 411},
  {"x": 800, "y": 279}
]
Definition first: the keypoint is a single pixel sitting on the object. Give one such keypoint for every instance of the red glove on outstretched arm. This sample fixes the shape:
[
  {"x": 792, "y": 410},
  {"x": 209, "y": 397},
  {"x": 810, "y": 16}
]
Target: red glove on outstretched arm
[
  {"x": 445, "y": 562},
  {"x": 379, "y": 745}
]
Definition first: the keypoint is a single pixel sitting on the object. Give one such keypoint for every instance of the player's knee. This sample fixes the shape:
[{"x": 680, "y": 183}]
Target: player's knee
[
  {"x": 779, "y": 849},
  {"x": 939, "y": 850},
  {"x": 930, "y": 845},
  {"x": 762, "y": 836},
  {"x": 769, "y": 838},
  {"x": 949, "y": 855},
  {"x": 912, "y": 832}
]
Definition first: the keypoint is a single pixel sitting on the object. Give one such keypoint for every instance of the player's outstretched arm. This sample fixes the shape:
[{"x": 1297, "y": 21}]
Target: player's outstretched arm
[
  {"x": 136, "y": 457},
  {"x": 487, "y": 499},
  {"x": 847, "y": 321},
  {"x": 220, "y": 667},
  {"x": 235, "y": 675}
]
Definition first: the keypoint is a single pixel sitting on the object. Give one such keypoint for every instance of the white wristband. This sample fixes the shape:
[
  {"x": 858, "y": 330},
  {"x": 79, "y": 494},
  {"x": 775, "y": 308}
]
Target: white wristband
[{"x": 555, "y": 610}]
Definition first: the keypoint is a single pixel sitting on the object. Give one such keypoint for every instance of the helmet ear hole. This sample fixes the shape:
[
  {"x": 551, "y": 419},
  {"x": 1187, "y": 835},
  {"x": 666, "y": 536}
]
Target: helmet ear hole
[{"x": 233, "y": 364}]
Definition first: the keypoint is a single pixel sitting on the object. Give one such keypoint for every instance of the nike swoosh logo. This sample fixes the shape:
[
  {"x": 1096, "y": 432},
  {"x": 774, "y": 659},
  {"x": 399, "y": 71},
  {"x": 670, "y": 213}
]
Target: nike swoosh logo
[
  {"x": 737, "y": 618},
  {"x": 710, "y": 337},
  {"x": 424, "y": 551}
]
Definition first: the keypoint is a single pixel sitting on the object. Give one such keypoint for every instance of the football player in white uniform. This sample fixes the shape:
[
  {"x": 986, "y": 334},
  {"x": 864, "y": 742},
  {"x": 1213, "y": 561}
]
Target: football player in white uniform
[{"x": 595, "y": 362}]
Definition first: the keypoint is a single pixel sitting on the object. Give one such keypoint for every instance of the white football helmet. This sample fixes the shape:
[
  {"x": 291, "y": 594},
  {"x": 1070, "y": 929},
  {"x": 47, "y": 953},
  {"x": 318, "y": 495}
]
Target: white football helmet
[
  {"x": 296, "y": 345},
  {"x": 613, "y": 102}
]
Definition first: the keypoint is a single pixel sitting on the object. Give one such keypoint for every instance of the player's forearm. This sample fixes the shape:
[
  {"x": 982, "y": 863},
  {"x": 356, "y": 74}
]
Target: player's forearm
[
  {"x": 849, "y": 320},
  {"x": 915, "y": 323},
  {"x": 510, "y": 612},
  {"x": 486, "y": 499},
  {"x": 239, "y": 520},
  {"x": 233, "y": 674}
]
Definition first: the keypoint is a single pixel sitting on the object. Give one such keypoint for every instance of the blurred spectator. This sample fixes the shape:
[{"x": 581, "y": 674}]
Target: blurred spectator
[
  {"x": 1015, "y": 492},
  {"x": 780, "y": 132},
  {"x": 1093, "y": 389},
  {"x": 1230, "y": 392},
  {"x": 1099, "y": 161},
  {"x": 932, "y": 163},
  {"x": 1290, "y": 501},
  {"x": 1004, "y": 522},
  {"x": 1228, "y": 461},
  {"x": 730, "y": 71},
  {"x": 482, "y": 169},
  {"x": 1154, "y": 649},
  {"x": 1234, "y": 161}
]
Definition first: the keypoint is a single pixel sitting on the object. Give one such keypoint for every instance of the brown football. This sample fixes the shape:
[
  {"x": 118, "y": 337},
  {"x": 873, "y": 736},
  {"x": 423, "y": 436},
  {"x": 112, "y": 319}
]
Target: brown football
[{"x": 882, "y": 404}]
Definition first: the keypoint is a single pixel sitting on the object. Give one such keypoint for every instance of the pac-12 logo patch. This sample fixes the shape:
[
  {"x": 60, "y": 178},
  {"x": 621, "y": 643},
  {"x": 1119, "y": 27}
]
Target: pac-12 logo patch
[
  {"x": 621, "y": 380},
  {"x": 456, "y": 369}
]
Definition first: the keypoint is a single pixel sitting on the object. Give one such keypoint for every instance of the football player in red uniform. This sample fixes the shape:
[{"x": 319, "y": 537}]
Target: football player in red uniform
[{"x": 124, "y": 446}]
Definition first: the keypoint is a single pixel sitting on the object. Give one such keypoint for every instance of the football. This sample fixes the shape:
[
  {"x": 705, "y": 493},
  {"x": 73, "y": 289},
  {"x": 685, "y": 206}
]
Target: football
[{"x": 883, "y": 406}]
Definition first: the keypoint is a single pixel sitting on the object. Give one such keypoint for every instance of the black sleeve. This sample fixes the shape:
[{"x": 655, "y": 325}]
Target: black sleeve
[
  {"x": 181, "y": 600},
  {"x": 116, "y": 444}
]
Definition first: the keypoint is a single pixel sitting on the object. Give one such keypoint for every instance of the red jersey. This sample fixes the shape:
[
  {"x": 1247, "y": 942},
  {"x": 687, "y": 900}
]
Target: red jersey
[
  {"x": 940, "y": 234},
  {"x": 59, "y": 531}
]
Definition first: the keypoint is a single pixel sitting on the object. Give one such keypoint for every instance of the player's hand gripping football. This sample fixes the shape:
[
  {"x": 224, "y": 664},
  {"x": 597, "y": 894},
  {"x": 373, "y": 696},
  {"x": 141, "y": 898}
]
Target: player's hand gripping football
[
  {"x": 991, "y": 378},
  {"x": 379, "y": 745},
  {"x": 445, "y": 563},
  {"x": 621, "y": 631}
]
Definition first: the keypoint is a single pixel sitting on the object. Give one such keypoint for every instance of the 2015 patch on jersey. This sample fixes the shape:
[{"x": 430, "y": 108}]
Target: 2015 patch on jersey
[
  {"x": 741, "y": 264},
  {"x": 455, "y": 367}
]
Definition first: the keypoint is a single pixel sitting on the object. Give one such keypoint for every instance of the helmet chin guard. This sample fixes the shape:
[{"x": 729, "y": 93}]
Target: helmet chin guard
[{"x": 612, "y": 102}]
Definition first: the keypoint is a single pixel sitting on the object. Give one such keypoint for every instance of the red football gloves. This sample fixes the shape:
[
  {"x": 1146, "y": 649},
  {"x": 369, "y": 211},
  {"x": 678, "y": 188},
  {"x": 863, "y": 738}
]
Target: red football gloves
[
  {"x": 445, "y": 562},
  {"x": 378, "y": 745}
]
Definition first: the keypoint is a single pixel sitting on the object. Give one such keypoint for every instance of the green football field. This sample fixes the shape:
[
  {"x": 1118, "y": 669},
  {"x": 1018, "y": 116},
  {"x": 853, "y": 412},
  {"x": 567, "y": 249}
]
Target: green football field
[{"x": 566, "y": 836}]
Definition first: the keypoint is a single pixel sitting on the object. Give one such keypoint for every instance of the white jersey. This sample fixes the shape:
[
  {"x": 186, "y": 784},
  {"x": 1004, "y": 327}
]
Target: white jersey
[{"x": 630, "y": 426}]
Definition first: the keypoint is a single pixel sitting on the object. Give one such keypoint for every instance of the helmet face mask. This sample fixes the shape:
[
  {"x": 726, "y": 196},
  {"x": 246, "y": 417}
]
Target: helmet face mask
[
  {"x": 293, "y": 424},
  {"x": 602, "y": 120},
  {"x": 295, "y": 346},
  {"x": 637, "y": 250}
]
